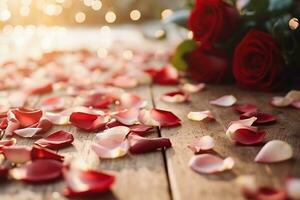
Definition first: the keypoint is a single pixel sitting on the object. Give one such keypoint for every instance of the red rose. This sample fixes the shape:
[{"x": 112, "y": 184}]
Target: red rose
[
  {"x": 258, "y": 62},
  {"x": 213, "y": 21},
  {"x": 207, "y": 65}
]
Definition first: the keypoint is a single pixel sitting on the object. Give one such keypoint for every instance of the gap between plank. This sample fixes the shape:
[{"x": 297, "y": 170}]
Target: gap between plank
[{"x": 163, "y": 150}]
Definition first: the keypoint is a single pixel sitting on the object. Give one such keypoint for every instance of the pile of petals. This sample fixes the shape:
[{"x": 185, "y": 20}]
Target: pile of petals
[{"x": 291, "y": 99}]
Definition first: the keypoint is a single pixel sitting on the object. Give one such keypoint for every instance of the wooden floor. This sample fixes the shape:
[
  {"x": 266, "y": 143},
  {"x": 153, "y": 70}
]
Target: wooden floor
[{"x": 165, "y": 175}]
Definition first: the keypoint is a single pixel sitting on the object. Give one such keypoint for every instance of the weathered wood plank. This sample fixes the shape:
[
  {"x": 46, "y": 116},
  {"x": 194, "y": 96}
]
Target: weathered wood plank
[
  {"x": 185, "y": 183},
  {"x": 137, "y": 176}
]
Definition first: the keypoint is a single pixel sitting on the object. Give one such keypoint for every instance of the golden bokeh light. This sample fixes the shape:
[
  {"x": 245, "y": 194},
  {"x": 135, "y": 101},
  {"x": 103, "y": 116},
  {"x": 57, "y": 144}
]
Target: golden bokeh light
[
  {"x": 102, "y": 53},
  {"x": 135, "y": 15},
  {"x": 80, "y": 17},
  {"x": 166, "y": 13},
  {"x": 110, "y": 17}
]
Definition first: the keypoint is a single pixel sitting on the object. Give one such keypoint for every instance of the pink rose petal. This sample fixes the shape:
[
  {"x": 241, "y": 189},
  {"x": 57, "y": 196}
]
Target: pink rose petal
[
  {"x": 262, "y": 118},
  {"x": 141, "y": 129},
  {"x": 146, "y": 118},
  {"x": 112, "y": 143},
  {"x": 208, "y": 164},
  {"x": 124, "y": 81},
  {"x": 128, "y": 100},
  {"x": 280, "y": 102},
  {"x": 56, "y": 140},
  {"x": 53, "y": 104},
  {"x": 175, "y": 97},
  {"x": 201, "y": 116},
  {"x": 165, "y": 118},
  {"x": 88, "y": 122},
  {"x": 27, "y": 132},
  {"x": 140, "y": 144},
  {"x": 246, "y": 108},
  {"x": 225, "y": 101},
  {"x": 296, "y": 104},
  {"x": 193, "y": 88},
  {"x": 274, "y": 151},
  {"x": 17, "y": 154},
  {"x": 203, "y": 144},
  {"x": 27, "y": 117},
  {"x": 7, "y": 143},
  {"x": 128, "y": 116},
  {"x": 232, "y": 131}
]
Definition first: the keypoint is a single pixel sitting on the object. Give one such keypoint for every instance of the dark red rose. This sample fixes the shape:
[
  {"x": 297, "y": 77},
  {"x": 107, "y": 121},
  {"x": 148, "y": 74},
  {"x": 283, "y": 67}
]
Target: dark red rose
[
  {"x": 207, "y": 65},
  {"x": 213, "y": 21},
  {"x": 258, "y": 63}
]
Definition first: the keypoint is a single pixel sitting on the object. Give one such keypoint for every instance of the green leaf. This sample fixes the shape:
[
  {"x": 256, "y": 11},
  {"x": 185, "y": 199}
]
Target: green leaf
[{"x": 178, "y": 58}]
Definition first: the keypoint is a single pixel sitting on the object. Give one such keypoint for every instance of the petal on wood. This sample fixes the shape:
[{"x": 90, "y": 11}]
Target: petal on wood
[
  {"x": 140, "y": 144},
  {"x": 53, "y": 104},
  {"x": 38, "y": 152},
  {"x": 84, "y": 182},
  {"x": 112, "y": 143},
  {"x": 193, "y": 88},
  {"x": 240, "y": 124},
  {"x": 248, "y": 137},
  {"x": 128, "y": 100},
  {"x": 208, "y": 164},
  {"x": 293, "y": 95},
  {"x": 247, "y": 184},
  {"x": 166, "y": 76},
  {"x": 27, "y": 132},
  {"x": 17, "y": 154},
  {"x": 27, "y": 117},
  {"x": 280, "y": 102},
  {"x": 246, "y": 108},
  {"x": 7, "y": 143},
  {"x": 274, "y": 151},
  {"x": 203, "y": 144},
  {"x": 45, "y": 125},
  {"x": 262, "y": 118},
  {"x": 38, "y": 171},
  {"x": 175, "y": 97},
  {"x": 146, "y": 118},
  {"x": 201, "y": 116},
  {"x": 56, "y": 140},
  {"x": 88, "y": 122},
  {"x": 224, "y": 101},
  {"x": 128, "y": 116},
  {"x": 141, "y": 129},
  {"x": 165, "y": 118},
  {"x": 292, "y": 187}
]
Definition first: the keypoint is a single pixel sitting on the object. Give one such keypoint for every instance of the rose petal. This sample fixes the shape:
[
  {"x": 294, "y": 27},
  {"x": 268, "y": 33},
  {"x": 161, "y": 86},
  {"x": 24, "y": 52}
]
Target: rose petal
[
  {"x": 140, "y": 144},
  {"x": 208, "y": 164},
  {"x": 268, "y": 193},
  {"x": 7, "y": 143},
  {"x": 88, "y": 122},
  {"x": 99, "y": 100},
  {"x": 112, "y": 143},
  {"x": 27, "y": 117},
  {"x": 175, "y": 97},
  {"x": 280, "y": 102},
  {"x": 248, "y": 137},
  {"x": 274, "y": 151},
  {"x": 38, "y": 152},
  {"x": 234, "y": 126},
  {"x": 203, "y": 144},
  {"x": 166, "y": 76},
  {"x": 124, "y": 81},
  {"x": 56, "y": 140},
  {"x": 193, "y": 88},
  {"x": 165, "y": 118},
  {"x": 201, "y": 116},
  {"x": 146, "y": 118},
  {"x": 53, "y": 104},
  {"x": 262, "y": 118},
  {"x": 141, "y": 129},
  {"x": 225, "y": 101},
  {"x": 296, "y": 104},
  {"x": 84, "y": 182},
  {"x": 128, "y": 116},
  {"x": 292, "y": 186},
  {"x": 246, "y": 108},
  {"x": 128, "y": 100},
  {"x": 44, "y": 124},
  {"x": 38, "y": 171},
  {"x": 42, "y": 89},
  {"x": 294, "y": 95},
  {"x": 17, "y": 154},
  {"x": 27, "y": 132},
  {"x": 247, "y": 185}
]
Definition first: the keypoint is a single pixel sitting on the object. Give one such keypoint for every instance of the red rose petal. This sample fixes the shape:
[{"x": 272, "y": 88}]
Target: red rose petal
[
  {"x": 141, "y": 129},
  {"x": 17, "y": 154},
  {"x": 53, "y": 104},
  {"x": 262, "y": 118},
  {"x": 84, "y": 182},
  {"x": 128, "y": 116},
  {"x": 175, "y": 97},
  {"x": 27, "y": 117},
  {"x": 98, "y": 100},
  {"x": 208, "y": 164},
  {"x": 128, "y": 100},
  {"x": 56, "y": 140},
  {"x": 165, "y": 118},
  {"x": 7, "y": 143},
  {"x": 42, "y": 153},
  {"x": 248, "y": 137},
  {"x": 42, "y": 89},
  {"x": 3, "y": 123},
  {"x": 45, "y": 125},
  {"x": 267, "y": 193},
  {"x": 245, "y": 108},
  {"x": 140, "y": 144},
  {"x": 88, "y": 122},
  {"x": 166, "y": 76},
  {"x": 38, "y": 171}
]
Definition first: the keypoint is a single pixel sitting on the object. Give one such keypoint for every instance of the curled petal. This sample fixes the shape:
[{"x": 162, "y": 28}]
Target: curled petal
[
  {"x": 53, "y": 104},
  {"x": 193, "y": 88},
  {"x": 248, "y": 137},
  {"x": 274, "y": 151},
  {"x": 17, "y": 154},
  {"x": 203, "y": 144},
  {"x": 38, "y": 171},
  {"x": 246, "y": 108},
  {"x": 292, "y": 186},
  {"x": 112, "y": 143},
  {"x": 145, "y": 118},
  {"x": 45, "y": 125},
  {"x": 27, "y": 132},
  {"x": 201, "y": 116},
  {"x": 56, "y": 140},
  {"x": 141, "y": 129},
  {"x": 175, "y": 97},
  {"x": 225, "y": 101},
  {"x": 140, "y": 144},
  {"x": 165, "y": 118},
  {"x": 27, "y": 117},
  {"x": 12, "y": 125},
  {"x": 83, "y": 182},
  {"x": 128, "y": 116},
  {"x": 38, "y": 152},
  {"x": 88, "y": 122},
  {"x": 128, "y": 100},
  {"x": 208, "y": 164},
  {"x": 3, "y": 123},
  {"x": 240, "y": 124},
  {"x": 7, "y": 143},
  {"x": 262, "y": 118}
]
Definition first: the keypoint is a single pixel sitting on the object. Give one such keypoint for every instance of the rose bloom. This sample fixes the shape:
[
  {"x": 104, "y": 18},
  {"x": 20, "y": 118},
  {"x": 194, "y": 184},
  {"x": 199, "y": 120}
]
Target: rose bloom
[
  {"x": 213, "y": 21},
  {"x": 258, "y": 63},
  {"x": 207, "y": 65}
]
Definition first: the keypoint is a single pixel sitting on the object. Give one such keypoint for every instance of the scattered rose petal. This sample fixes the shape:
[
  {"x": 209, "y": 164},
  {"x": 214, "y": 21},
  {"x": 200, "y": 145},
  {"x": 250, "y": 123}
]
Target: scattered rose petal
[
  {"x": 7, "y": 143},
  {"x": 248, "y": 137},
  {"x": 203, "y": 144},
  {"x": 266, "y": 193},
  {"x": 56, "y": 140},
  {"x": 38, "y": 171},
  {"x": 165, "y": 118},
  {"x": 296, "y": 104},
  {"x": 17, "y": 154},
  {"x": 98, "y": 100},
  {"x": 292, "y": 186},
  {"x": 201, "y": 116},
  {"x": 262, "y": 118},
  {"x": 88, "y": 122},
  {"x": 128, "y": 100},
  {"x": 247, "y": 184},
  {"x": 146, "y": 118},
  {"x": 128, "y": 116},
  {"x": 224, "y": 101},
  {"x": 291, "y": 99},
  {"x": 27, "y": 132},
  {"x": 44, "y": 124},
  {"x": 246, "y": 108},
  {"x": 140, "y": 144},
  {"x": 208, "y": 164},
  {"x": 166, "y": 76},
  {"x": 175, "y": 97},
  {"x": 274, "y": 151},
  {"x": 112, "y": 143},
  {"x": 53, "y": 104},
  {"x": 141, "y": 129},
  {"x": 193, "y": 88},
  {"x": 42, "y": 89},
  {"x": 27, "y": 117},
  {"x": 38, "y": 152},
  {"x": 83, "y": 182}
]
